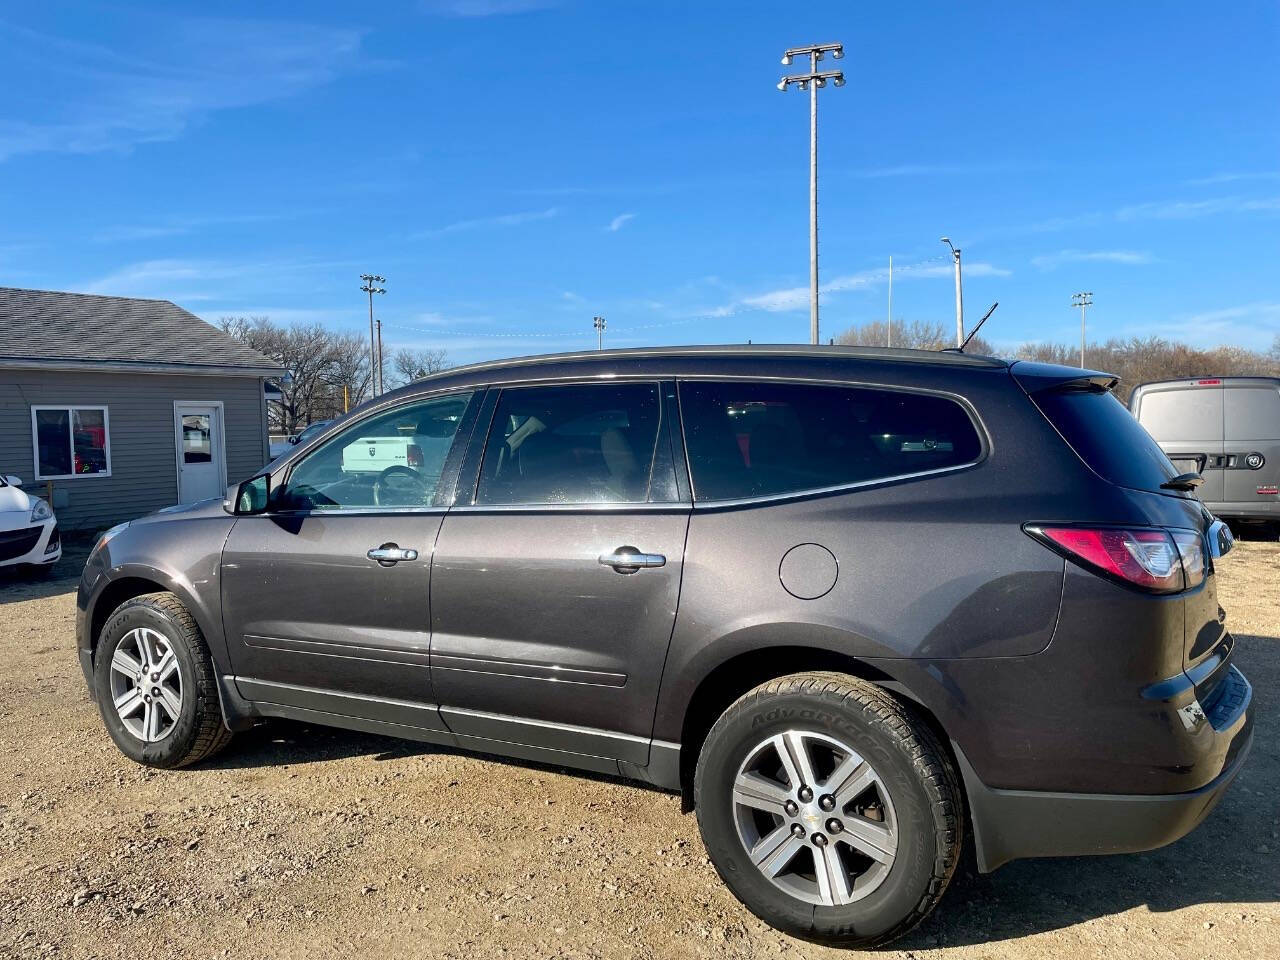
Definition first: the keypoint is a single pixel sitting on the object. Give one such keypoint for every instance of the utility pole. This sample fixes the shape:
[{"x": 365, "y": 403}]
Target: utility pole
[
  {"x": 889, "y": 338},
  {"x": 1084, "y": 301},
  {"x": 955, "y": 253},
  {"x": 811, "y": 81},
  {"x": 598, "y": 323},
  {"x": 371, "y": 281}
]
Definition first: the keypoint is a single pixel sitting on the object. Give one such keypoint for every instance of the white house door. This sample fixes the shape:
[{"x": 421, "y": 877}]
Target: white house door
[{"x": 201, "y": 464}]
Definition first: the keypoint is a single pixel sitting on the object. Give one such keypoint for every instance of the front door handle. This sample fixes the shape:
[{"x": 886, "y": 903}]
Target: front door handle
[
  {"x": 629, "y": 560},
  {"x": 389, "y": 554}
]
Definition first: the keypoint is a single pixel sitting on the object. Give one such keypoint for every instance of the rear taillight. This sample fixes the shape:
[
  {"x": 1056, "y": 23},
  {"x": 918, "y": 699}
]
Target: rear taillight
[
  {"x": 1162, "y": 561},
  {"x": 413, "y": 455}
]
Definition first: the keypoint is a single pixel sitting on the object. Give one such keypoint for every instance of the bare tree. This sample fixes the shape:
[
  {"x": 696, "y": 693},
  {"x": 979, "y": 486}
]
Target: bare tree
[
  {"x": 408, "y": 365},
  {"x": 915, "y": 335},
  {"x": 320, "y": 364}
]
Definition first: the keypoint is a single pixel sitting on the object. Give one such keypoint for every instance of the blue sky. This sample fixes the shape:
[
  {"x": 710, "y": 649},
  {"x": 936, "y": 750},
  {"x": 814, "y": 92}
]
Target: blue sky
[{"x": 515, "y": 166}]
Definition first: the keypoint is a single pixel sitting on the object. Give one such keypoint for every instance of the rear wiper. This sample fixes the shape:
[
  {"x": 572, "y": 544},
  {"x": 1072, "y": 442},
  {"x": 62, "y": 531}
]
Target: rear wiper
[{"x": 1183, "y": 481}]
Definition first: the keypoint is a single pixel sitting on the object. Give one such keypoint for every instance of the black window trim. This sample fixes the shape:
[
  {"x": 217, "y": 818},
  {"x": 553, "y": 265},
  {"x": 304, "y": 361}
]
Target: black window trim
[
  {"x": 984, "y": 441},
  {"x": 469, "y": 479}
]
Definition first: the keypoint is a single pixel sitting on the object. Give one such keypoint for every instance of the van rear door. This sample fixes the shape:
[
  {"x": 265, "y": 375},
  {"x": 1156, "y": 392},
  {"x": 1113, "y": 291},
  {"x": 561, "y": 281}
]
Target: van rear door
[
  {"x": 1185, "y": 418},
  {"x": 1251, "y": 414}
]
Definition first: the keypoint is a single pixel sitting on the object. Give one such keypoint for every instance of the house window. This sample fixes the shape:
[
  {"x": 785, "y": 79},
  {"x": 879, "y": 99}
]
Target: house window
[{"x": 71, "y": 442}]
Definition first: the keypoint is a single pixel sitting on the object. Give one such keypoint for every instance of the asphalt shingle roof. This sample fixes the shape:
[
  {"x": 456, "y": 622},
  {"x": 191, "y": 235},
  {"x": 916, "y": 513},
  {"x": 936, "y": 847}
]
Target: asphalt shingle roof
[{"x": 40, "y": 325}]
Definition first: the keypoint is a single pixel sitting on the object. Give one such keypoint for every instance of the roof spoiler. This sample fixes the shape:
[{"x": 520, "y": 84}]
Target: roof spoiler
[{"x": 1039, "y": 377}]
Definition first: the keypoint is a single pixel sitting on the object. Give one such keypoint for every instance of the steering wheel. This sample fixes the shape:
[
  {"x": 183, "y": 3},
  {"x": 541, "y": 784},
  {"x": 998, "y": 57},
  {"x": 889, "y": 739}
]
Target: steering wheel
[{"x": 400, "y": 486}]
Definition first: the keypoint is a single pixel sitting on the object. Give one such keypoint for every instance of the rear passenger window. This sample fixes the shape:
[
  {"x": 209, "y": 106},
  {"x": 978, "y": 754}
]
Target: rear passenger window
[
  {"x": 592, "y": 443},
  {"x": 754, "y": 439}
]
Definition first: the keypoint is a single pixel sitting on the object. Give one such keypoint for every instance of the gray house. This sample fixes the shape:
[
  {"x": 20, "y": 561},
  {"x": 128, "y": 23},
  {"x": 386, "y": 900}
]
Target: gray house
[{"x": 124, "y": 406}]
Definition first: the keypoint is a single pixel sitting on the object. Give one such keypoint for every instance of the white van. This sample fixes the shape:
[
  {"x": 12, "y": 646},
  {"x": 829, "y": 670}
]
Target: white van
[{"x": 1227, "y": 429}]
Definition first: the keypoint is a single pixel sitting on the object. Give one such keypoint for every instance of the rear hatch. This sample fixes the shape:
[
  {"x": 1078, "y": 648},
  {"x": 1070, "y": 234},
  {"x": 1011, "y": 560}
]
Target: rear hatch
[
  {"x": 1251, "y": 422},
  {"x": 1185, "y": 418},
  {"x": 1102, "y": 432}
]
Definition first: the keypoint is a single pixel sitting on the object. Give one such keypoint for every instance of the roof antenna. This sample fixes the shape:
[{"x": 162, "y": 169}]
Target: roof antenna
[{"x": 974, "y": 332}]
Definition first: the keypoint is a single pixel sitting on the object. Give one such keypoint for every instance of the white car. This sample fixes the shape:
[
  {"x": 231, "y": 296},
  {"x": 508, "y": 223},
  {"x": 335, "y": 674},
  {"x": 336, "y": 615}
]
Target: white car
[{"x": 28, "y": 528}]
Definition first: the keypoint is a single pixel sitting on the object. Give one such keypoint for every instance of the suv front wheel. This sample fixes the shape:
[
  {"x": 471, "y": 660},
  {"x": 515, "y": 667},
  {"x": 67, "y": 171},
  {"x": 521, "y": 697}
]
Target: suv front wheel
[
  {"x": 828, "y": 809},
  {"x": 154, "y": 683}
]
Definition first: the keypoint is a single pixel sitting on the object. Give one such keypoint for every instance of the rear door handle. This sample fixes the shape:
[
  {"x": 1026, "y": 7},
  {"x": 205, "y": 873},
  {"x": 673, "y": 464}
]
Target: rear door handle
[
  {"x": 389, "y": 554},
  {"x": 629, "y": 560}
]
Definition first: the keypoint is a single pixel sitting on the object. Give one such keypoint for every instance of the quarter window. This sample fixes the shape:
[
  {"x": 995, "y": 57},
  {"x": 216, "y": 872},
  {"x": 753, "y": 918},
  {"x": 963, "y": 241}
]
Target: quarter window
[
  {"x": 589, "y": 443},
  {"x": 392, "y": 460},
  {"x": 70, "y": 442},
  {"x": 755, "y": 439}
]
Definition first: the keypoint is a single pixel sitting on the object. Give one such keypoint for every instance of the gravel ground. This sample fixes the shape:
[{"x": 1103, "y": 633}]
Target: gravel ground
[{"x": 302, "y": 841}]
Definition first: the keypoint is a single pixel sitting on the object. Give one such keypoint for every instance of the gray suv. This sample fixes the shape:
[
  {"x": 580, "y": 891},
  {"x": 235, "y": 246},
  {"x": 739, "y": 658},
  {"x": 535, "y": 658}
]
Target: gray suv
[{"x": 854, "y": 605}]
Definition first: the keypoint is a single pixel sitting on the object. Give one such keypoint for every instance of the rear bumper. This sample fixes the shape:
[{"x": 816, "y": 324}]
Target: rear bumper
[
  {"x": 1247, "y": 509},
  {"x": 1016, "y": 824}
]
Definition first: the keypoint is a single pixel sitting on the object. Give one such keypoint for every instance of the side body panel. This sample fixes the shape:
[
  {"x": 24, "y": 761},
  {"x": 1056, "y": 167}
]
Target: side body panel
[
  {"x": 527, "y": 623},
  {"x": 303, "y": 605}
]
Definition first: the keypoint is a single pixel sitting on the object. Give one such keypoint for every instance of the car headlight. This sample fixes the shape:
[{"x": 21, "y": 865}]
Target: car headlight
[
  {"x": 40, "y": 511},
  {"x": 107, "y": 535}
]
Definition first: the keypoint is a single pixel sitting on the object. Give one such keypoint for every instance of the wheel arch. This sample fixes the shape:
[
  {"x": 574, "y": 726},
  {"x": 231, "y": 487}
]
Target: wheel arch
[
  {"x": 134, "y": 580},
  {"x": 733, "y": 677}
]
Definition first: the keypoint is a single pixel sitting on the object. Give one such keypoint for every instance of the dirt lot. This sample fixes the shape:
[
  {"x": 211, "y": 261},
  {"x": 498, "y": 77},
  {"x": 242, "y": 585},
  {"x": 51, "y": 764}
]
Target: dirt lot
[{"x": 311, "y": 842}]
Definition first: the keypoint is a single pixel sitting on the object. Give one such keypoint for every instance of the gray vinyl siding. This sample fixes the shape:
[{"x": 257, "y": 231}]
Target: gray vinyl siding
[{"x": 143, "y": 455}]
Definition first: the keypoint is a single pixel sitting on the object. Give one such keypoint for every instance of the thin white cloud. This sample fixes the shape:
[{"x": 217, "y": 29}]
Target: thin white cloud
[
  {"x": 796, "y": 298},
  {"x": 178, "y": 227},
  {"x": 1190, "y": 209},
  {"x": 484, "y": 8},
  {"x": 1164, "y": 210},
  {"x": 155, "y": 87},
  {"x": 502, "y": 220},
  {"x": 617, "y": 222},
  {"x": 571, "y": 297},
  {"x": 922, "y": 170},
  {"x": 219, "y": 281},
  {"x": 1251, "y": 325},
  {"x": 1234, "y": 177},
  {"x": 1050, "y": 261}
]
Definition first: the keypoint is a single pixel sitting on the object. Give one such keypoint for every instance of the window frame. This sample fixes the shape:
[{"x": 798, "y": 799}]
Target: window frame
[
  {"x": 984, "y": 439},
  {"x": 668, "y": 453},
  {"x": 462, "y": 438},
  {"x": 71, "y": 439}
]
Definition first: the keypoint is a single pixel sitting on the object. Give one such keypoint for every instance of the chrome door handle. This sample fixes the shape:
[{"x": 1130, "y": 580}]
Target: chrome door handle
[
  {"x": 389, "y": 553},
  {"x": 629, "y": 560}
]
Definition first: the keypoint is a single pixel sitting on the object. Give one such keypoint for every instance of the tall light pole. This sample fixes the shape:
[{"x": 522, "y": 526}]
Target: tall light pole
[
  {"x": 1084, "y": 301},
  {"x": 889, "y": 334},
  {"x": 955, "y": 254},
  {"x": 599, "y": 324},
  {"x": 371, "y": 287},
  {"x": 811, "y": 81}
]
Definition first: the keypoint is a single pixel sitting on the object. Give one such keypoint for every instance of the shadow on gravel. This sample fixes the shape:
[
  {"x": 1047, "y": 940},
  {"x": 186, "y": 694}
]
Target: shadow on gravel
[
  {"x": 24, "y": 583},
  {"x": 279, "y": 742},
  {"x": 1230, "y": 858}
]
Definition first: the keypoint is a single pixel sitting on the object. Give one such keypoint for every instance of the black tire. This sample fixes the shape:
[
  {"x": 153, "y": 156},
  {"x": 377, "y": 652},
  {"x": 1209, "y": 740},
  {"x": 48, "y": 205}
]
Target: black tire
[
  {"x": 199, "y": 732},
  {"x": 911, "y": 764}
]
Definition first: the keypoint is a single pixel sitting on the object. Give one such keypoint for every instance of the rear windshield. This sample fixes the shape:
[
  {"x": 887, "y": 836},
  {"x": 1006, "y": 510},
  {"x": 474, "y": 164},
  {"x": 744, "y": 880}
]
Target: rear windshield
[{"x": 1107, "y": 437}]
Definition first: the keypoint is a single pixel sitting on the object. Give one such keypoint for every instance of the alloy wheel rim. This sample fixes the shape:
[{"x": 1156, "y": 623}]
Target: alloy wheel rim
[
  {"x": 146, "y": 684},
  {"x": 815, "y": 818}
]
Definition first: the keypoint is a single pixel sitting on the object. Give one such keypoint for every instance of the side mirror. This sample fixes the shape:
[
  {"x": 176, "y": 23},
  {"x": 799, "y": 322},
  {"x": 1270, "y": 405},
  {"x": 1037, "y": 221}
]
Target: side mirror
[
  {"x": 294, "y": 438},
  {"x": 13, "y": 481},
  {"x": 248, "y": 498}
]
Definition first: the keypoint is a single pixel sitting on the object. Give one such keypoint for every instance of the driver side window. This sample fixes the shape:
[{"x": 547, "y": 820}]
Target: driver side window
[{"x": 392, "y": 460}]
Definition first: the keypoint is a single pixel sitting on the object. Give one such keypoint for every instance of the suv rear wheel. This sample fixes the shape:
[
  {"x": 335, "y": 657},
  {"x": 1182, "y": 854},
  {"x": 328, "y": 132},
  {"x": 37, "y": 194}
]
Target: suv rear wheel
[
  {"x": 828, "y": 809},
  {"x": 155, "y": 684}
]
